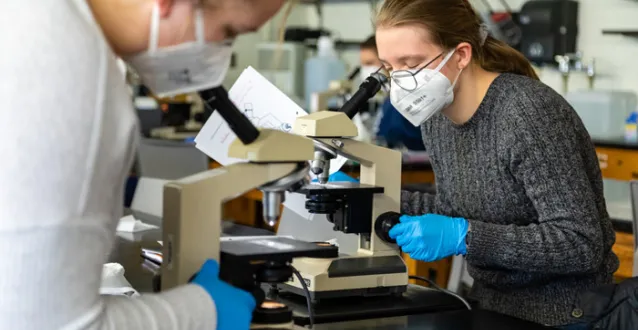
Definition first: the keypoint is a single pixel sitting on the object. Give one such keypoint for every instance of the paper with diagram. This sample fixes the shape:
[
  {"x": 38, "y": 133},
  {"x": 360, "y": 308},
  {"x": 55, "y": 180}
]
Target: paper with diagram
[{"x": 266, "y": 107}]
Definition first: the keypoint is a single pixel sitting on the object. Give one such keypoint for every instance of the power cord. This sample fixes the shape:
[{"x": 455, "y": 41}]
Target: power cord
[
  {"x": 311, "y": 315},
  {"x": 446, "y": 291}
]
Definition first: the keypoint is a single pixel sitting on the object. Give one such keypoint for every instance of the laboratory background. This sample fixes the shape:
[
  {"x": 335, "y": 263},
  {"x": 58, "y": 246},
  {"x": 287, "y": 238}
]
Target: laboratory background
[{"x": 310, "y": 59}]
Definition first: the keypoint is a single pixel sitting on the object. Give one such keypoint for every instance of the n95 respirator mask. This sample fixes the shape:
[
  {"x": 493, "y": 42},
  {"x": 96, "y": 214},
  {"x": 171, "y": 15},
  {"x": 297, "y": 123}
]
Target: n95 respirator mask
[
  {"x": 184, "y": 68},
  {"x": 419, "y": 96}
]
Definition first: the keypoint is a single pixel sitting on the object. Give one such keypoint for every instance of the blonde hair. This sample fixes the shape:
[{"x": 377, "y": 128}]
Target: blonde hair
[{"x": 451, "y": 22}]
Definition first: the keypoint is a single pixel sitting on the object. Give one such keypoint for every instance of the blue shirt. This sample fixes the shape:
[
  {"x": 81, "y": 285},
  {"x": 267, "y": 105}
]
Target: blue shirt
[{"x": 398, "y": 131}]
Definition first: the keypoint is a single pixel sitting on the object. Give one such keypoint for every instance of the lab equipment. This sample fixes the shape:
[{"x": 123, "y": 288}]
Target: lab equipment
[
  {"x": 569, "y": 63},
  {"x": 603, "y": 112},
  {"x": 376, "y": 268},
  {"x": 321, "y": 69},
  {"x": 192, "y": 211},
  {"x": 430, "y": 237},
  {"x": 340, "y": 91},
  {"x": 283, "y": 66},
  {"x": 502, "y": 25},
  {"x": 550, "y": 28},
  {"x": 337, "y": 89},
  {"x": 631, "y": 127}
]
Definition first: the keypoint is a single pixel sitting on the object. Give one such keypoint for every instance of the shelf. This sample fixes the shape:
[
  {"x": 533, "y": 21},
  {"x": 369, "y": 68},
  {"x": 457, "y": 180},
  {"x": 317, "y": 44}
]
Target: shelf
[{"x": 626, "y": 33}]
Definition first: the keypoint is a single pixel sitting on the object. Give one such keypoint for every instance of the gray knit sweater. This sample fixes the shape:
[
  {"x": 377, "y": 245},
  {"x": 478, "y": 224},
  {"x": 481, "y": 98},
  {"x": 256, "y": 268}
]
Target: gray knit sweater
[{"x": 523, "y": 171}]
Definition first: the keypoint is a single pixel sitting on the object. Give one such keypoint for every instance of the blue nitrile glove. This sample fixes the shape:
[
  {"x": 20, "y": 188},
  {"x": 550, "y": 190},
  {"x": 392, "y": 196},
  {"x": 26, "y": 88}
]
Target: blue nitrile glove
[
  {"x": 430, "y": 237},
  {"x": 339, "y": 177},
  {"x": 234, "y": 306}
]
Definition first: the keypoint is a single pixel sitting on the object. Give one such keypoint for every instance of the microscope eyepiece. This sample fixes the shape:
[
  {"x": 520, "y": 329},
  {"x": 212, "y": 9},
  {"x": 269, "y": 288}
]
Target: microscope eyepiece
[{"x": 368, "y": 89}]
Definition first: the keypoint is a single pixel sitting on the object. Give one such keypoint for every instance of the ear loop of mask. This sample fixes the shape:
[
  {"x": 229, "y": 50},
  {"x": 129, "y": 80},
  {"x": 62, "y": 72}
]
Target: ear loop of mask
[
  {"x": 440, "y": 66},
  {"x": 199, "y": 26},
  {"x": 154, "y": 33},
  {"x": 155, "y": 20},
  {"x": 445, "y": 60}
]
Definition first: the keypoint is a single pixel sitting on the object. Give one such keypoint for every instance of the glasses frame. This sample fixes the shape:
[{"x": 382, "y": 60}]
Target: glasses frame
[{"x": 412, "y": 74}]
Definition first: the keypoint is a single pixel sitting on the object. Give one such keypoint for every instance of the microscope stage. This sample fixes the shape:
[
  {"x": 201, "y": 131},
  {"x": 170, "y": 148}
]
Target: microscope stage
[
  {"x": 339, "y": 187},
  {"x": 274, "y": 248}
]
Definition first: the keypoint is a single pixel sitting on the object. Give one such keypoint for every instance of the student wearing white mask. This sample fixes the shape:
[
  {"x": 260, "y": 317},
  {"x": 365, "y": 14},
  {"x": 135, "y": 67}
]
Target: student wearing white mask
[
  {"x": 68, "y": 139},
  {"x": 392, "y": 128},
  {"x": 519, "y": 191}
]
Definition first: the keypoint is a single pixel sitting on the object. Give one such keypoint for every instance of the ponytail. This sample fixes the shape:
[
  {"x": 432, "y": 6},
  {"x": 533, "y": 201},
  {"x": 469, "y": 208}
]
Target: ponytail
[
  {"x": 451, "y": 22},
  {"x": 497, "y": 56}
]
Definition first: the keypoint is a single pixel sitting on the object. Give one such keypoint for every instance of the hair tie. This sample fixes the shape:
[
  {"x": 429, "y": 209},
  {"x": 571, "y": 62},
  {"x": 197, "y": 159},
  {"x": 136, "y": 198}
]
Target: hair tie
[{"x": 484, "y": 32}]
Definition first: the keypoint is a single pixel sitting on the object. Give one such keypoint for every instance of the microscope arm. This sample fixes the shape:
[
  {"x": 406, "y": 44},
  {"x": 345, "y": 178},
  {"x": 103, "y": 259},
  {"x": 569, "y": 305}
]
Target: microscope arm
[{"x": 193, "y": 212}]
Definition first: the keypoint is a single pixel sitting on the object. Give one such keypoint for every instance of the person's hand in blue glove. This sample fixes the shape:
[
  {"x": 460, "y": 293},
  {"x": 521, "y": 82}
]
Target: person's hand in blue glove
[
  {"x": 430, "y": 237},
  {"x": 339, "y": 177},
  {"x": 234, "y": 306}
]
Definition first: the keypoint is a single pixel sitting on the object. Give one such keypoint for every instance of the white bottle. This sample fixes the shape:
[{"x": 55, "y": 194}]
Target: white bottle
[{"x": 321, "y": 69}]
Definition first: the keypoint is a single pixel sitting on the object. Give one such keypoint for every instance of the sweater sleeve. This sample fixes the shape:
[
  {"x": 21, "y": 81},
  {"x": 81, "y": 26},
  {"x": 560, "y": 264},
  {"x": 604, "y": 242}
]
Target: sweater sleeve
[
  {"x": 548, "y": 152},
  {"x": 417, "y": 203}
]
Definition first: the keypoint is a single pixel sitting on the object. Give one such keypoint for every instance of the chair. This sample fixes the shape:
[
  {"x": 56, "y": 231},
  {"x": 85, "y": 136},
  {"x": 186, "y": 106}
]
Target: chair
[
  {"x": 459, "y": 276},
  {"x": 169, "y": 160},
  {"x": 634, "y": 208},
  {"x": 161, "y": 161}
]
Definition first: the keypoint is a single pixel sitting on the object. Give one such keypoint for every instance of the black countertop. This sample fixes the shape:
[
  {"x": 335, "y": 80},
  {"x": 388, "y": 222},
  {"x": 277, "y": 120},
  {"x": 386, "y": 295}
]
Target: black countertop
[
  {"x": 623, "y": 226},
  {"x": 453, "y": 320},
  {"x": 615, "y": 143},
  {"x": 141, "y": 274}
]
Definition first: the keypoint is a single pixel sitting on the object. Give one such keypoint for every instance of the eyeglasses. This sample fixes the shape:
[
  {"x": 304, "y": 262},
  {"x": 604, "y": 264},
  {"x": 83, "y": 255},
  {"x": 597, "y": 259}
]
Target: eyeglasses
[{"x": 406, "y": 78}]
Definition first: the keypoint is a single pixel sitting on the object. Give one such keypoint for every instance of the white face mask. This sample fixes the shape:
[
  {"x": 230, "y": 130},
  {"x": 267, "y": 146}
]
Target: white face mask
[
  {"x": 433, "y": 93},
  {"x": 183, "y": 68}
]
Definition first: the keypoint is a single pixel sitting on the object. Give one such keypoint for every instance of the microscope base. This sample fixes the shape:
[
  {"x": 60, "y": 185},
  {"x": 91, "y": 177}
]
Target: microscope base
[
  {"x": 317, "y": 297},
  {"x": 348, "y": 276},
  {"x": 416, "y": 300}
]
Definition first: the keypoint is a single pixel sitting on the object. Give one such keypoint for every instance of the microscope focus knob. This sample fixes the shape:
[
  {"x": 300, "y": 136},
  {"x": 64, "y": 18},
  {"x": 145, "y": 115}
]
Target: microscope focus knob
[{"x": 384, "y": 223}]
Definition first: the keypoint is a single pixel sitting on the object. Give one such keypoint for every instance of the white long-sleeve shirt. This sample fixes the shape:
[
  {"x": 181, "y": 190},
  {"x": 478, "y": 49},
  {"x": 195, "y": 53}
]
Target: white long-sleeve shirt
[{"x": 67, "y": 136}]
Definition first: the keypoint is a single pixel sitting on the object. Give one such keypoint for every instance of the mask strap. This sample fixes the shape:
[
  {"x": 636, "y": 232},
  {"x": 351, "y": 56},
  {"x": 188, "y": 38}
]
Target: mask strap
[
  {"x": 456, "y": 79},
  {"x": 154, "y": 34},
  {"x": 199, "y": 26},
  {"x": 445, "y": 59}
]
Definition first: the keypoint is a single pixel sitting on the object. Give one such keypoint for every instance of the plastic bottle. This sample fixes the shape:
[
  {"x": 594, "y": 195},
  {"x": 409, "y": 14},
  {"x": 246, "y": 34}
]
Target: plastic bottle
[
  {"x": 322, "y": 68},
  {"x": 631, "y": 127}
]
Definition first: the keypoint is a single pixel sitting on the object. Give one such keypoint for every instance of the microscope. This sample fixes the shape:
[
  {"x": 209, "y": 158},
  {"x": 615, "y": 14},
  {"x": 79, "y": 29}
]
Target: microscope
[
  {"x": 368, "y": 208},
  {"x": 192, "y": 211}
]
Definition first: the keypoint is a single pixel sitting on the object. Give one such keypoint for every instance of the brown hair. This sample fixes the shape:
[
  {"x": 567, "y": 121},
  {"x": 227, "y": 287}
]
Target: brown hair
[
  {"x": 451, "y": 22},
  {"x": 370, "y": 43}
]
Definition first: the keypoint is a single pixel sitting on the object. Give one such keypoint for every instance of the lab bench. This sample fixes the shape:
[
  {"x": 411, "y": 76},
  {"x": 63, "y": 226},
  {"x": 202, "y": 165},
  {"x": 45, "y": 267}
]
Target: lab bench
[
  {"x": 452, "y": 320},
  {"x": 142, "y": 277},
  {"x": 618, "y": 160}
]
